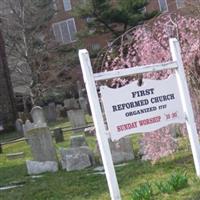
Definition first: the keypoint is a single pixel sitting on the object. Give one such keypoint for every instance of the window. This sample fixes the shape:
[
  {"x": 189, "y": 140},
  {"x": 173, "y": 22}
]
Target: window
[
  {"x": 163, "y": 5},
  {"x": 67, "y": 5},
  {"x": 180, "y": 3},
  {"x": 95, "y": 46},
  {"x": 55, "y": 5},
  {"x": 65, "y": 31}
]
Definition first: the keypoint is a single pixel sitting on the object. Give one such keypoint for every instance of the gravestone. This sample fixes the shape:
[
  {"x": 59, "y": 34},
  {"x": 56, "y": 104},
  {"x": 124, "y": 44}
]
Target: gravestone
[
  {"x": 52, "y": 112},
  {"x": 40, "y": 141},
  {"x": 84, "y": 104},
  {"x": 38, "y": 116},
  {"x": 77, "y": 119},
  {"x": 58, "y": 135},
  {"x": 78, "y": 141},
  {"x": 122, "y": 150},
  {"x": 71, "y": 104},
  {"x": 27, "y": 126},
  {"x": 45, "y": 110},
  {"x": 59, "y": 110},
  {"x": 19, "y": 126},
  {"x": 76, "y": 158},
  {"x": 41, "y": 144}
]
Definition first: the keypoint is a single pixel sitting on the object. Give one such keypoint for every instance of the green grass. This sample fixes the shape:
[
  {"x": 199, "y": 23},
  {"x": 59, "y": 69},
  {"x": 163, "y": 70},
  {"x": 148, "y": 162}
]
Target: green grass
[{"x": 83, "y": 185}]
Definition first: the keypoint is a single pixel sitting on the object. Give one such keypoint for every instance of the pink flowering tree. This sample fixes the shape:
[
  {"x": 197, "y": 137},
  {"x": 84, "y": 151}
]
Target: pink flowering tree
[{"x": 149, "y": 44}]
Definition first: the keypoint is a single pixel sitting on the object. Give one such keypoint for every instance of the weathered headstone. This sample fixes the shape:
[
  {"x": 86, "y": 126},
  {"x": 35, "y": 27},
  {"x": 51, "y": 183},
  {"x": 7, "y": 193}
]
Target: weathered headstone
[
  {"x": 84, "y": 104},
  {"x": 77, "y": 119},
  {"x": 78, "y": 141},
  {"x": 58, "y": 135},
  {"x": 41, "y": 144},
  {"x": 59, "y": 110},
  {"x": 38, "y": 116},
  {"x": 52, "y": 116},
  {"x": 27, "y": 126},
  {"x": 122, "y": 150},
  {"x": 45, "y": 110},
  {"x": 71, "y": 104},
  {"x": 19, "y": 126},
  {"x": 76, "y": 158},
  {"x": 40, "y": 141}
]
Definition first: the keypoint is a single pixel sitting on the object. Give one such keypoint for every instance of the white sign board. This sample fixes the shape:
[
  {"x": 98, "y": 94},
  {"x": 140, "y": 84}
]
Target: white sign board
[{"x": 138, "y": 109}]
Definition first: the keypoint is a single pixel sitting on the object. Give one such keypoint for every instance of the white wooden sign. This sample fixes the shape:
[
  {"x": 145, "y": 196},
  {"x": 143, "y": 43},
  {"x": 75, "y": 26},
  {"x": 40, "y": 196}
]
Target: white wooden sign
[
  {"x": 146, "y": 112},
  {"x": 138, "y": 109}
]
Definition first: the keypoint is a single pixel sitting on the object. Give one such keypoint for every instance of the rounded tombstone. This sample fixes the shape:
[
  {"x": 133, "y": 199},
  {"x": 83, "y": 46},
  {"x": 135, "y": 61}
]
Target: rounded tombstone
[
  {"x": 38, "y": 115},
  {"x": 19, "y": 125}
]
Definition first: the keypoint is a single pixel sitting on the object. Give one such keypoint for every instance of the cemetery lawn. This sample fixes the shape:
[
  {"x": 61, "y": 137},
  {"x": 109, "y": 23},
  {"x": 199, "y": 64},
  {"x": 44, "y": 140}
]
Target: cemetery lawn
[{"x": 86, "y": 185}]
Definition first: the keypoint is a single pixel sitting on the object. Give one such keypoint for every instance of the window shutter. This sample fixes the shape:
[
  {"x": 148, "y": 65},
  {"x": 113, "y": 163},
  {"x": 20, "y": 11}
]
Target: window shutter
[
  {"x": 72, "y": 29},
  {"x": 65, "y": 32},
  {"x": 57, "y": 32}
]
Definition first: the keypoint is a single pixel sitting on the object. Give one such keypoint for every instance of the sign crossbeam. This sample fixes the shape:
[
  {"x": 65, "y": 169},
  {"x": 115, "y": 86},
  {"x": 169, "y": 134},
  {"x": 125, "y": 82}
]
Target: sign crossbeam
[{"x": 134, "y": 70}]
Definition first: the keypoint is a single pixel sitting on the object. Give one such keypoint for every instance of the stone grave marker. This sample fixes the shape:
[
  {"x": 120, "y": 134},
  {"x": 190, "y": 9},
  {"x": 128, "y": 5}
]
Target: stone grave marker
[
  {"x": 40, "y": 141},
  {"x": 59, "y": 110},
  {"x": 78, "y": 141},
  {"x": 38, "y": 116},
  {"x": 84, "y": 104},
  {"x": 52, "y": 116},
  {"x": 41, "y": 144},
  {"x": 19, "y": 125},
  {"x": 76, "y": 158},
  {"x": 121, "y": 151},
  {"x": 77, "y": 119},
  {"x": 71, "y": 104}
]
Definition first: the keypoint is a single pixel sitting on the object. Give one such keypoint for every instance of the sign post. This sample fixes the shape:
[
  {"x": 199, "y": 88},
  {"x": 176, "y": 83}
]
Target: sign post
[
  {"x": 186, "y": 103},
  {"x": 99, "y": 124},
  {"x": 139, "y": 110}
]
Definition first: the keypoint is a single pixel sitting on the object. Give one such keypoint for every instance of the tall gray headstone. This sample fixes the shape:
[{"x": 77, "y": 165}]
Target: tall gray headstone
[
  {"x": 19, "y": 126},
  {"x": 59, "y": 110},
  {"x": 84, "y": 104},
  {"x": 77, "y": 119},
  {"x": 41, "y": 144},
  {"x": 52, "y": 116}
]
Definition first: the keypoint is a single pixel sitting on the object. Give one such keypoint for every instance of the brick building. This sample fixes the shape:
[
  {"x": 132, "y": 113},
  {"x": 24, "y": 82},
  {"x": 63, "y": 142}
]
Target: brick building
[
  {"x": 7, "y": 104},
  {"x": 166, "y": 5},
  {"x": 65, "y": 26}
]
